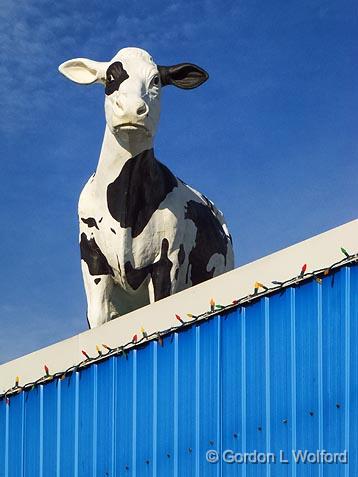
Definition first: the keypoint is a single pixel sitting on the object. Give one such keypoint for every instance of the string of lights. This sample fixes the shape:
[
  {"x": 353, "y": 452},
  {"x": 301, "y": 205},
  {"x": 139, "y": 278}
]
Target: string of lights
[{"x": 191, "y": 319}]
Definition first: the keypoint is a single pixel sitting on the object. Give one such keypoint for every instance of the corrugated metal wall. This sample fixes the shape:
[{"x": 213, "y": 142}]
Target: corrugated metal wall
[{"x": 280, "y": 373}]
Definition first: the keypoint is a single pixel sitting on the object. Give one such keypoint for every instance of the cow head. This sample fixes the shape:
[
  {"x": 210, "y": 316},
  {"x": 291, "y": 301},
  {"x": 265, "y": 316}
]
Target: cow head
[{"x": 132, "y": 84}]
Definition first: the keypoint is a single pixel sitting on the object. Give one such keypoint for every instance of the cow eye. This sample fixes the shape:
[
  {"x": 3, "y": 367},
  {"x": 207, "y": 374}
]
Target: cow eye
[
  {"x": 110, "y": 78},
  {"x": 154, "y": 81}
]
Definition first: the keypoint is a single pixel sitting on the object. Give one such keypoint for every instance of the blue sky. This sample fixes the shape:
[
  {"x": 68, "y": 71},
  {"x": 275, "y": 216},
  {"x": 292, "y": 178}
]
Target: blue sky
[{"x": 271, "y": 138}]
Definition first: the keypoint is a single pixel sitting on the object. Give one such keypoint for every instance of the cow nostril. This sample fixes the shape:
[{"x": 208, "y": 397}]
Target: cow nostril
[{"x": 143, "y": 109}]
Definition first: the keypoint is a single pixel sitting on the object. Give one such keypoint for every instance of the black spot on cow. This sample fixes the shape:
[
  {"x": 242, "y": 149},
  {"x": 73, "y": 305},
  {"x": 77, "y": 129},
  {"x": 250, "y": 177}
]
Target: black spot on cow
[
  {"x": 100, "y": 220},
  {"x": 92, "y": 255},
  {"x": 181, "y": 254},
  {"x": 139, "y": 190},
  {"x": 91, "y": 222},
  {"x": 210, "y": 239},
  {"x": 113, "y": 231},
  {"x": 119, "y": 266},
  {"x": 97, "y": 280},
  {"x": 158, "y": 271},
  {"x": 115, "y": 76},
  {"x": 181, "y": 258}
]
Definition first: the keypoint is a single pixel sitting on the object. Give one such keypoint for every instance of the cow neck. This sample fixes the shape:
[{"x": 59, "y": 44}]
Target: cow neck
[{"x": 116, "y": 152}]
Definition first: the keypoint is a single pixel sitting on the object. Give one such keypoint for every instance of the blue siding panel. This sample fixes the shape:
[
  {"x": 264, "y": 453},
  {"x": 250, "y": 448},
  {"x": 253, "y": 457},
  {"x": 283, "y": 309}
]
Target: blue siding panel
[
  {"x": 50, "y": 431},
  {"x": 292, "y": 381},
  {"x": 277, "y": 374},
  {"x": 103, "y": 439},
  {"x": 3, "y": 436},
  {"x": 209, "y": 395},
  {"x": 144, "y": 412},
  {"x": 352, "y": 427},
  {"x": 280, "y": 380},
  {"x": 87, "y": 424},
  {"x": 307, "y": 364},
  {"x": 165, "y": 407},
  {"x": 255, "y": 384},
  {"x": 124, "y": 412},
  {"x": 187, "y": 405},
  {"x": 32, "y": 447},
  {"x": 334, "y": 376},
  {"x": 68, "y": 431},
  {"x": 231, "y": 369},
  {"x": 16, "y": 436}
]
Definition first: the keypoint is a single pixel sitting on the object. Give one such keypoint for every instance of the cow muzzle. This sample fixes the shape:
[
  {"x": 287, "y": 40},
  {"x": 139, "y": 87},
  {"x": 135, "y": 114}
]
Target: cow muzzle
[{"x": 129, "y": 112}]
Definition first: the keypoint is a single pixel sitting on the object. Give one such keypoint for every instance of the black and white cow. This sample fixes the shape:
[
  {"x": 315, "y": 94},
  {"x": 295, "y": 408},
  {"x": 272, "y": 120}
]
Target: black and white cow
[{"x": 144, "y": 233}]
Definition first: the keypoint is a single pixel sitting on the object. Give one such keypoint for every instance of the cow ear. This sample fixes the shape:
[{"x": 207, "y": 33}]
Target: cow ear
[
  {"x": 184, "y": 75},
  {"x": 84, "y": 71}
]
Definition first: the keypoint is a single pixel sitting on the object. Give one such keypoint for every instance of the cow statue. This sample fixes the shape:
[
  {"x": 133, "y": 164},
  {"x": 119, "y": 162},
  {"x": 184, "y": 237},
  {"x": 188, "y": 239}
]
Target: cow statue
[{"x": 144, "y": 233}]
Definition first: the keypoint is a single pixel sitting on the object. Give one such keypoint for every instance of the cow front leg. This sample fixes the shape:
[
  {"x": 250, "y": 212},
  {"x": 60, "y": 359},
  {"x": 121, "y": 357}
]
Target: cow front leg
[
  {"x": 98, "y": 292},
  {"x": 98, "y": 281}
]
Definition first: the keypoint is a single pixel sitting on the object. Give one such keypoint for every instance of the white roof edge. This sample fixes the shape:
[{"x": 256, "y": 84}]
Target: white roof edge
[{"x": 318, "y": 252}]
